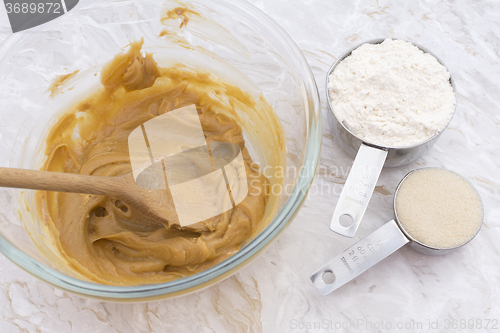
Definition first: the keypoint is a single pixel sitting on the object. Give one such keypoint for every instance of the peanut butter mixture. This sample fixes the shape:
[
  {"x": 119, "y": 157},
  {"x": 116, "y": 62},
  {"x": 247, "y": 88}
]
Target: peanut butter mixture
[{"x": 102, "y": 238}]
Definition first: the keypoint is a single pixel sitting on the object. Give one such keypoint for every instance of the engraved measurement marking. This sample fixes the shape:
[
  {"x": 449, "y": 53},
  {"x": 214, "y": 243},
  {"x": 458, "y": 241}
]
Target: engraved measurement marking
[
  {"x": 363, "y": 252},
  {"x": 347, "y": 265},
  {"x": 360, "y": 185},
  {"x": 359, "y": 202}
]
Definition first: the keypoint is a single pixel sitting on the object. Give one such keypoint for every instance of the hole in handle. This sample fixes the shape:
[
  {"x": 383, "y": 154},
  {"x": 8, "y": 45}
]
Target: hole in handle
[
  {"x": 346, "y": 220},
  {"x": 328, "y": 277}
]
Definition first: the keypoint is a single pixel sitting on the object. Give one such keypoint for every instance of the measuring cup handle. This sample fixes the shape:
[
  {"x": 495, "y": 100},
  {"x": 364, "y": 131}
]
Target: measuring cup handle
[
  {"x": 358, "y": 258},
  {"x": 358, "y": 190}
]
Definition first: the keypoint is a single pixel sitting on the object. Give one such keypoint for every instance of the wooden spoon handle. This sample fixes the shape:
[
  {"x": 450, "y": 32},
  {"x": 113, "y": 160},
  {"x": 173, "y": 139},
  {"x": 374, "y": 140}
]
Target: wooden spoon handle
[{"x": 60, "y": 182}]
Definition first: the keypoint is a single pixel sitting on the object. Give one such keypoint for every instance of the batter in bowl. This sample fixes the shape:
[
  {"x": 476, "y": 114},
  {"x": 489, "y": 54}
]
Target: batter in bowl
[{"x": 102, "y": 238}]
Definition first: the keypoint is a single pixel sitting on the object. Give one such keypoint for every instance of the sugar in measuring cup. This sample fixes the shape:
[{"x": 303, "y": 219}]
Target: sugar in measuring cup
[{"x": 436, "y": 211}]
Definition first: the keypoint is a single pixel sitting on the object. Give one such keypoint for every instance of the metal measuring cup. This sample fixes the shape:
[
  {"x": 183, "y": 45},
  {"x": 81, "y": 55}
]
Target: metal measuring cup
[
  {"x": 374, "y": 248},
  {"x": 369, "y": 158}
]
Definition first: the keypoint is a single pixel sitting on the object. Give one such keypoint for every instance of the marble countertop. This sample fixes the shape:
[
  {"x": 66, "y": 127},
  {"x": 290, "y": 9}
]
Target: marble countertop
[{"x": 408, "y": 291}]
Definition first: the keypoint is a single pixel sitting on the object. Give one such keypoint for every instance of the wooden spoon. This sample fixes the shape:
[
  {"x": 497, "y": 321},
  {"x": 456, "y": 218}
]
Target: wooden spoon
[{"x": 154, "y": 204}]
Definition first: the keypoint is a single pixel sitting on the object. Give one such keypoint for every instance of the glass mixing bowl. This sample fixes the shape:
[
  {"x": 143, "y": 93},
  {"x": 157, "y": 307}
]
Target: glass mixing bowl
[{"x": 241, "y": 37}]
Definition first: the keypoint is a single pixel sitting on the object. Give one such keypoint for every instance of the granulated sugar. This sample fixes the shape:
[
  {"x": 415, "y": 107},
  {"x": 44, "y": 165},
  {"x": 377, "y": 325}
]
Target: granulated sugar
[
  {"x": 391, "y": 94},
  {"x": 438, "y": 208}
]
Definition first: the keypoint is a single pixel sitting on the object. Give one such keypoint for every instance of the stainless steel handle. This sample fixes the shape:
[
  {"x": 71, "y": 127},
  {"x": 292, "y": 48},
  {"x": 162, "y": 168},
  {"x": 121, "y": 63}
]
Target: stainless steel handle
[
  {"x": 359, "y": 257},
  {"x": 358, "y": 190}
]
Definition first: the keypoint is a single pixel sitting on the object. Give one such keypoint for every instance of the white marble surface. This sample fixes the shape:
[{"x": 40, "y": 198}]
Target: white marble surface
[{"x": 274, "y": 294}]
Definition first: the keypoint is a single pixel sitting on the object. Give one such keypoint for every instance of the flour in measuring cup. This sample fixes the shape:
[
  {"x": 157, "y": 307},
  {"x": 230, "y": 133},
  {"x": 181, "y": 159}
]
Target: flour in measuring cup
[{"x": 391, "y": 94}]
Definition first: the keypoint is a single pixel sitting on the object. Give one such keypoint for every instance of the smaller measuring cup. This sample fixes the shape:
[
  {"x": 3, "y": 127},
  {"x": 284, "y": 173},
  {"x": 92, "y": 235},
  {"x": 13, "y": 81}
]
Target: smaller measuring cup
[
  {"x": 369, "y": 158},
  {"x": 375, "y": 247}
]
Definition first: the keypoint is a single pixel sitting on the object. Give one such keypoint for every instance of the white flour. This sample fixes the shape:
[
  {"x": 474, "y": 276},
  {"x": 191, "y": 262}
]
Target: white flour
[{"x": 392, "y": 94}]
